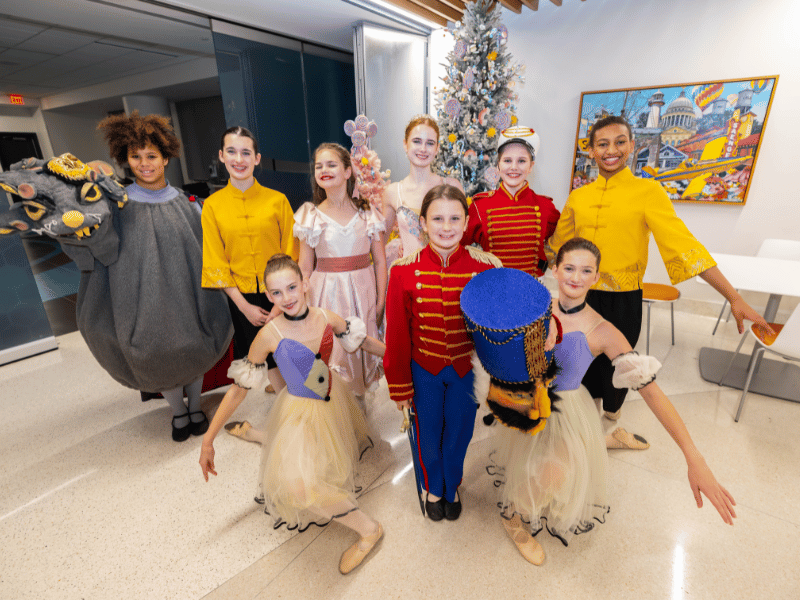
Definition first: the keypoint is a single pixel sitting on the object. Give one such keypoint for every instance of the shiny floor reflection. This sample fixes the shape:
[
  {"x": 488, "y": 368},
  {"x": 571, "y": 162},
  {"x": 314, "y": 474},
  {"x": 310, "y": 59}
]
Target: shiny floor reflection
[{"x": 98, "y": 502}]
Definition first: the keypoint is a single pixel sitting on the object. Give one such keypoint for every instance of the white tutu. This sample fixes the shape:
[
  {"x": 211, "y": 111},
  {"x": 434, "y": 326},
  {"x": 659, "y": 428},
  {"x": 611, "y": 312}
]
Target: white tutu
[
  {"x": 557, "y": 478},
  {"x": 308, "y": 461}
]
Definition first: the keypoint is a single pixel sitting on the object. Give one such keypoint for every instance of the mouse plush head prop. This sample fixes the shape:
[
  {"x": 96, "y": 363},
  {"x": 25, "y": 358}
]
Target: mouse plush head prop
[{"x": 69, "y": 201}]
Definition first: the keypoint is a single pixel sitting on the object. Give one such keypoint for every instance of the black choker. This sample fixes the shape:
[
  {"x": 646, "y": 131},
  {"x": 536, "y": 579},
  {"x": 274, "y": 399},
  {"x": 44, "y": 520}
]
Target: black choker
[
  {"x": 304, "y": 315},
  {"x": 572, "y": 310}
]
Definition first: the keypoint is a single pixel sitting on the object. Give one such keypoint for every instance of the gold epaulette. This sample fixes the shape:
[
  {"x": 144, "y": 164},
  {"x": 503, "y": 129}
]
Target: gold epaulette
[
  {"x": 486, "y": 258},
  {"x": 407, "y": 260},
  {"x": 480, "y": 195}
]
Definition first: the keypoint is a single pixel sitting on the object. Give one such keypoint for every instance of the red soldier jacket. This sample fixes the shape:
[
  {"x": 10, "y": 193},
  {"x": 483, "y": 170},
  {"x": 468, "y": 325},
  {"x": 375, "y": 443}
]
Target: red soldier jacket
[
  {"x": 513, "y": 228},
  {"x": 423, "y": 315}
]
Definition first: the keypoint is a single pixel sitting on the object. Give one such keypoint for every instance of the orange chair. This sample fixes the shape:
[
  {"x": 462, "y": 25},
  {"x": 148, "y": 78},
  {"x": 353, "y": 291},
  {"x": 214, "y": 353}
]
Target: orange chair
[
  {"x": 659, "y": 292},
  {"x": 785, "y": 343}
]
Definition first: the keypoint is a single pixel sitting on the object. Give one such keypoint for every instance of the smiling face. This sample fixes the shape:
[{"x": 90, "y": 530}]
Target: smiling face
[
  {"x": 148, "y": 166},
  {"x": 444, "y": 222},
  {"x": 421, "y": 145},
  {"x": 329, "y": 170},
  {"x": 239, "y": 157},
  {"x": 515, "y": 165},
  {"x": 610, "y": 150},
  {"x": 287, "y": 291},
  {"x": 576, "y": 274}
]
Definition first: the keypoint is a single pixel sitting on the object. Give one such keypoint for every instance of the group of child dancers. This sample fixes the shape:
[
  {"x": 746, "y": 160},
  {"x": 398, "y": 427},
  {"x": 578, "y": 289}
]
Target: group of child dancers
[{"x": 308, "y": 293}]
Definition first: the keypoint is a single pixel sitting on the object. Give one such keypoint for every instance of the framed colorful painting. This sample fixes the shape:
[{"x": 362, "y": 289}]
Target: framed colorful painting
[{"x": 699, "y": 140}]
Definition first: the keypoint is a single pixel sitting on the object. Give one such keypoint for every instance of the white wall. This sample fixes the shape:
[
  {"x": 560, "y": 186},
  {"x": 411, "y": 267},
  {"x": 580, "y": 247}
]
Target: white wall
[
  {"x": 609, "y": 44},
  {"x": 77, "y": 133}
]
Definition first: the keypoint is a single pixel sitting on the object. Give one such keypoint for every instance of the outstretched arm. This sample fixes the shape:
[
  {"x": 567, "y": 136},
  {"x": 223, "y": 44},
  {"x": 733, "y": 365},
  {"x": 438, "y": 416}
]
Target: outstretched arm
[
  {"x": 701, "y": 479},
  {"x": 263, "y": 344},
  {"x": 740, "y": 309}
]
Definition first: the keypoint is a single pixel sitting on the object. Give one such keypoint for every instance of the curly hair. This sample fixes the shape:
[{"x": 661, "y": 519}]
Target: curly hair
[
  {"x": 135, "y": 132},
  {"x": 344, "y": 156}
]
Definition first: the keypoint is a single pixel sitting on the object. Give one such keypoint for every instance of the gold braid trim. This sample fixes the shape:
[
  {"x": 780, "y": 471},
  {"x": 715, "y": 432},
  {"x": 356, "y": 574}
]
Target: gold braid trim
[
  {"x": 407, "y": 260},
  {"x": 534, "y": 349},
  {"x": 486, "y": 258},
  {"x": 68, "y": 167}
]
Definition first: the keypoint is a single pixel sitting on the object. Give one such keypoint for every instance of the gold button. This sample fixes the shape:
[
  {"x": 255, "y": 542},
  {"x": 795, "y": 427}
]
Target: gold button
[
  {"x": 474, "y": 273},
  {"x": 419, "y": 286},
  {"x": 419, "y": 300},
  {"x": 416, "y": 272}
]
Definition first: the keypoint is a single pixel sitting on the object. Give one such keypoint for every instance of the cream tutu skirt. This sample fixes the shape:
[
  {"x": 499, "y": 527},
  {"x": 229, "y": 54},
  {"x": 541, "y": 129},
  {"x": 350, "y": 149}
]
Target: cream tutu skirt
[
  {"x": 556, "y": 479},
  {"x": 308, "y": 461}
]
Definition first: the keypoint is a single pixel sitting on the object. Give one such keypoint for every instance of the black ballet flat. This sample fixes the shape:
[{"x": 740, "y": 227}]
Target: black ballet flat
[
  {"x": 200, "y": 427},
  {"x": 181, "y": 434},
  {"x": 452, "y": 510},
  {"x": 435, "y": 510}
]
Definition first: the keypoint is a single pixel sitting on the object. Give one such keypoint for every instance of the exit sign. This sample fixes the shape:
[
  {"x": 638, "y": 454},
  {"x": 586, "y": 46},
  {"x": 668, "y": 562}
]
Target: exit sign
[{"x": 16, "y": 99}]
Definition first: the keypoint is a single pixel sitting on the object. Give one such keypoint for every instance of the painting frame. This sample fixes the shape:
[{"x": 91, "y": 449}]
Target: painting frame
[{"x": 702, "y": 147}]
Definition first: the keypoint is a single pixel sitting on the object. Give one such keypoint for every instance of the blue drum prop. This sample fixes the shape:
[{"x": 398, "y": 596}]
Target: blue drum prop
[{"x": 507, "y": 312}]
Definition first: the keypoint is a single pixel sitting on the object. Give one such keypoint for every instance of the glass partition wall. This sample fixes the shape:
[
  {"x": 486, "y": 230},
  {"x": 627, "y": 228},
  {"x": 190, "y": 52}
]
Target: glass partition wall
[{"x": 292, "y": 95}]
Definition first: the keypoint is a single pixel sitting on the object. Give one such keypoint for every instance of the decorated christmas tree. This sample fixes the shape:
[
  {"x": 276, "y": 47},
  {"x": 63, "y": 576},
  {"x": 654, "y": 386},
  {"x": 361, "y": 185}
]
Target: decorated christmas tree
[{"x": 476, "y": 102}]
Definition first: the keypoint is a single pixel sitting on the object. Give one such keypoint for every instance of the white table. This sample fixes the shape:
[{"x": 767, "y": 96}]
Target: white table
[{"x": 777, "y": 278}]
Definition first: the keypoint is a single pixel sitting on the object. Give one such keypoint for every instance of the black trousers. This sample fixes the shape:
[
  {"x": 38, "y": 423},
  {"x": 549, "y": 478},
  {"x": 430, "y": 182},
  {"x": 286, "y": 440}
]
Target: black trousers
[
  {"x": 624, "y": 311},
  {"x": 244, "y": 332}
]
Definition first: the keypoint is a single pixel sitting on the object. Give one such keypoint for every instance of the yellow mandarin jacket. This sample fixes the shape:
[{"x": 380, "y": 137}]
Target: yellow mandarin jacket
[
  {"x": 241, "y": 231},
  {"x": 617, "y": 215}
]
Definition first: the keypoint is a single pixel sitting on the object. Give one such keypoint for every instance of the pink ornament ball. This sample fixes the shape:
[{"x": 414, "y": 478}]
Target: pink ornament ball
[
  {"x": 361, "y": 122},
  {"x": 502, "y": 120},
  {"x": 452, "y": 107},
  {"x": 359, "y": 138}
]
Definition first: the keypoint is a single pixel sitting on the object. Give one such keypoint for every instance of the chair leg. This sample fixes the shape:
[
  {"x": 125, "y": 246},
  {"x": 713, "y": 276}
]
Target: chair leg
[
  {"x": 719, "y": 318},
  {"x": 672, "y": 320},
  {"x": 747, "y": 385},
  {"x": 733, "y": 358},
  {"x": 648, "y": 328}
]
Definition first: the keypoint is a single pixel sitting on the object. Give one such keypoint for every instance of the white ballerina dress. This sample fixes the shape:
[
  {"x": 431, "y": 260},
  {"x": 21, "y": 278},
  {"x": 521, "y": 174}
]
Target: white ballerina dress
[
  {"x": 558, "y": 478},
  {"x": 314, "y": 431}
]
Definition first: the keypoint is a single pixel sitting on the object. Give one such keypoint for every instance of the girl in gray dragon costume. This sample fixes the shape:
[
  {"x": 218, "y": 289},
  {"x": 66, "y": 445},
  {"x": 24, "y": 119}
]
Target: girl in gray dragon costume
[{"x": 140, "y": 306}]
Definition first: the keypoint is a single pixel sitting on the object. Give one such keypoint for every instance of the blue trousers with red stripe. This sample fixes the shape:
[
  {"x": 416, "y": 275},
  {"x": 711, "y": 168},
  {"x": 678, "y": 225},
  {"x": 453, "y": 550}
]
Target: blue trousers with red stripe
[{"x": 445, "y": 410}]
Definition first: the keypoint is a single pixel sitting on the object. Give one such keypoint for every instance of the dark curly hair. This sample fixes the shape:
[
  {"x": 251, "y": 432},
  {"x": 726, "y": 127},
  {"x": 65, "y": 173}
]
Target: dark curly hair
[
  {"x": 344, "y": 157},
  {"x": 123, "y": 132}
]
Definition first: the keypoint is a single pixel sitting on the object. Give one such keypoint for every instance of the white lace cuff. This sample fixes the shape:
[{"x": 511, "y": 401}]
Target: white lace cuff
[
  {"x": 307, "y": 234},
  {"x": 354, "y": 335},
  {"x": 247, "y": 375},
  {"x": 634, "y": 371},
  {"x": 376, "y": 224}
]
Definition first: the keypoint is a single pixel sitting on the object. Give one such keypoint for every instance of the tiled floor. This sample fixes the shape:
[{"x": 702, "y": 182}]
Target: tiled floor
[{"x": 98, "y": 502}]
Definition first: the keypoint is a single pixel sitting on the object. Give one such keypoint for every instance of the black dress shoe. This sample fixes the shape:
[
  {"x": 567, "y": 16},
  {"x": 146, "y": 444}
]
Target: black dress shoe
[
  {"x": 435, "y": 510},
  {"x": 199, "y": 427},
  {"x": 181, "y": 434},
  {"x": 452, "y": 510}
]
